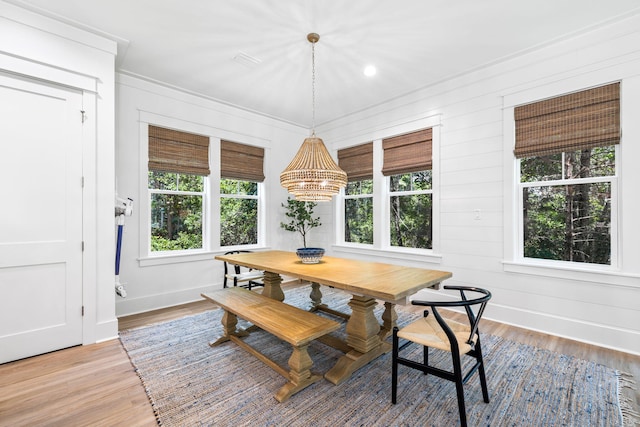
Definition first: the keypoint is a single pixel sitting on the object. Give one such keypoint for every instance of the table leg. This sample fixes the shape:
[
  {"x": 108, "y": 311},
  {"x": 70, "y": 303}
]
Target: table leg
[
  {"x": 315, "y": 295},
  {"x": 389, "y": 320},
  {"x": 362, "y": 336},
  {"x": 317, "y": 305},
  {"x": 272, "y": 288}
]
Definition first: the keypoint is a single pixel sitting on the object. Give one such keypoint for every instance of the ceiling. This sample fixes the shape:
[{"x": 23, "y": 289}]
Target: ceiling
[{"x": 191, "y": 44}]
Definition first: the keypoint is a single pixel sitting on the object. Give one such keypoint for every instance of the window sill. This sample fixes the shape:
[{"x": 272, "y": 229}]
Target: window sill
[
  {"x": 595, "y": 274},
  {"x": 182, "y": 257},
  {"x": 417, "y": 255}
]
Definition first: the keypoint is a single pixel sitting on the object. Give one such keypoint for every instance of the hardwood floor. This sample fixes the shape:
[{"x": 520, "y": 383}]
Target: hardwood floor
[{"x": 95, "y": 385}]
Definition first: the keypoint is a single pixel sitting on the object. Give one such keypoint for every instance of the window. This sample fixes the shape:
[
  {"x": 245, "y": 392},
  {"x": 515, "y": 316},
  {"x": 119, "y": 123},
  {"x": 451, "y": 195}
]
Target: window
[
  {"x": 238, "y": 212},
  {"x": 566, "y": 148},
  {"x": 358, "y": 212},
  {"x": 407, "y": 164},
  {"x": 410, "y": 210},
  {"x": 241, "y": 173},
  {"x": 176, "y": 211},
  {"x": 357, "y": 162},
  {"x": 178, "y": 165}
]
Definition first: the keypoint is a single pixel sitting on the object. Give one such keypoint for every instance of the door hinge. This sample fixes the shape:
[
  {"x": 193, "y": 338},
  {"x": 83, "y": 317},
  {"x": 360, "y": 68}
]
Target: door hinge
[
  {"x": 83, "y": 246},
  {"x": 83, "y": 310},
  {"x": 83, "y": 182},
  {"x": 84, "y": 117}
]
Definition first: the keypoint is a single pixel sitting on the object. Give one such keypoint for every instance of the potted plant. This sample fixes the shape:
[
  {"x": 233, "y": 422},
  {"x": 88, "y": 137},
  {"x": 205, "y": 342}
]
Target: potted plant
[{"x": 300, "y": 215}]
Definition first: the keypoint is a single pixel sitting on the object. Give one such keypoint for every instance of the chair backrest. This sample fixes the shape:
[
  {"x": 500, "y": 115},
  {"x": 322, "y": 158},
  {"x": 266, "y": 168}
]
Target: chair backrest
[
  {"x": 473, "y": 307},
  {"x": 236, "y": 268}
]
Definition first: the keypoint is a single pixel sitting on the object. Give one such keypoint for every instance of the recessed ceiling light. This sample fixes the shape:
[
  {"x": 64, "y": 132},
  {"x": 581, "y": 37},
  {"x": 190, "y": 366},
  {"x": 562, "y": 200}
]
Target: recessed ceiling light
[{"x": 370, "y": 70}]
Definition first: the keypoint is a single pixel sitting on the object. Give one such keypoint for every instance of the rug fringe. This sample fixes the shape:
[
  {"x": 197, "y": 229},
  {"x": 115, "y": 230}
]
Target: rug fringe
[
  {"x": 629, "y": 416},
  {"x": 154, "y": 407}
]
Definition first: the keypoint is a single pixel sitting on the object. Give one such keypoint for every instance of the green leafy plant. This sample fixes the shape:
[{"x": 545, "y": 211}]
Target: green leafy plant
[{"x": 301, "y": 218}]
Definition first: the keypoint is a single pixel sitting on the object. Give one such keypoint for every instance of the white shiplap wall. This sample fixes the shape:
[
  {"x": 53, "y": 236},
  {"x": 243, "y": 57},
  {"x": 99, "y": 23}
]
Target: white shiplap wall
[{"x": 475, "y": 174}]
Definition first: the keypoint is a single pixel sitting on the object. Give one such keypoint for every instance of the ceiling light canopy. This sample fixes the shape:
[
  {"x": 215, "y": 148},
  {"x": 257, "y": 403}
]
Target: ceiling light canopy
[{"x": 313, "y": 175}]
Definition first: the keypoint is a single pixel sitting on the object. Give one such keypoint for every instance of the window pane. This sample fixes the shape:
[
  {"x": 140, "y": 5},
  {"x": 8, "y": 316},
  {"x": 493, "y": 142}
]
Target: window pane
[
  {"x": 593, "y": 162},
  {"x": 568, "y": 223},
  {"x": 599, "y": 161},
  {"x": 163, "y": 180},
  {"x": 238, "y": 221},
  {"x": 411, "y": 181},
  {"x": 193, "y": 183},
  {"x": 358, "y": 226},
  {"x": 173, "y": 181},
  {"x": 410, "y": 221},
  {"x": 232, "y": 186},
  {"x": 364, "y": 186},
  {"x": 176, "y": 222},
  {"x": 541, "y": 168}
]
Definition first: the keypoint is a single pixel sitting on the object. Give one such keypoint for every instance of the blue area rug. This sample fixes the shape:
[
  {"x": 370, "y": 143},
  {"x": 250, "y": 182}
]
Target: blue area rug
[{"x": 191, "y": 384}]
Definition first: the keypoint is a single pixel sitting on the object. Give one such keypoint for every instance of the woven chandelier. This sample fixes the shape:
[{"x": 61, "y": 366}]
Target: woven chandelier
[{"x": 313, "y": 175}]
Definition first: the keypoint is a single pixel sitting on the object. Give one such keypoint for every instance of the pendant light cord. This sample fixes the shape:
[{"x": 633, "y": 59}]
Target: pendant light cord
[{"x": 313, "y": 89}]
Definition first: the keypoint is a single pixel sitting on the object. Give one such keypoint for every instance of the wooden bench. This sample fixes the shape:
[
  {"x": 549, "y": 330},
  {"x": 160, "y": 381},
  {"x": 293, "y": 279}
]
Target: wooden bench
[{"x": 291, "y": 324}]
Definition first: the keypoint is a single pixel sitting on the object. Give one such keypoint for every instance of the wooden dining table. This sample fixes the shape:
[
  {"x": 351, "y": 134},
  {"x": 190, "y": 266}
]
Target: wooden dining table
[{"x": 367, "y": 282}]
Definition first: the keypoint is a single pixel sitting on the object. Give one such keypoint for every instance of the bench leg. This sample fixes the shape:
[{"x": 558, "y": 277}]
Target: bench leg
[
  {"x": 300, "y": 375},
  {"x": 229, "y": 325}
]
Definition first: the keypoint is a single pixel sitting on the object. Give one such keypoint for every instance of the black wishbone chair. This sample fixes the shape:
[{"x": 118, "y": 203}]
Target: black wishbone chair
[
  {"x": 241, "y": 276},
  {"x": 448, "y": 335}
]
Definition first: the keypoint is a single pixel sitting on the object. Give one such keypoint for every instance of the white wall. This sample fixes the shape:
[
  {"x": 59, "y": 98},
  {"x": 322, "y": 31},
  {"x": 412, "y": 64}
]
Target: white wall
[
  {"x": 158, "y": 282},
  {"x": 41, "y": 48},
  {"x": 475, "y": 171}
]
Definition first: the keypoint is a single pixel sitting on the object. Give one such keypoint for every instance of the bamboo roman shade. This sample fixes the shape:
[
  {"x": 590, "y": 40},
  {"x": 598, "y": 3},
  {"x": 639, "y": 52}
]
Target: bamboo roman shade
[
  {"x": 178, "y": 152},
  {"x": 407, "y": 153},
  {"x": 357, "y": 161},
  {"x": 581, "y": 120},
  {"x": 240, "y": 161}
]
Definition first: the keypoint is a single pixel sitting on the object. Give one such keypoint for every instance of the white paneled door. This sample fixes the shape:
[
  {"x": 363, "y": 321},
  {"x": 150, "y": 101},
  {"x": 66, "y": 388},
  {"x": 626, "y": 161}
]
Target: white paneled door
[{"x": 40, "y": 217}]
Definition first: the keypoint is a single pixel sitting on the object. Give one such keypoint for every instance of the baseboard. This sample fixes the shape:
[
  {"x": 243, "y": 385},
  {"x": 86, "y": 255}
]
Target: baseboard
[
  {"x": 587, "y": 332},
  {"x": 598, "y": 334},
  {"x": 100, "y": 332},
  {"x": 128, "y": 306}
]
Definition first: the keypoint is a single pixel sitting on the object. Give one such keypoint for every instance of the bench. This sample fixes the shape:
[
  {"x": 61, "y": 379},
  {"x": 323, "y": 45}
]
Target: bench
[{"x": 291, "y": 324}]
